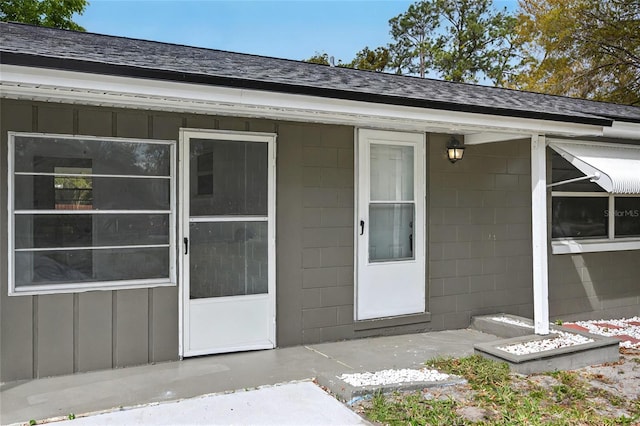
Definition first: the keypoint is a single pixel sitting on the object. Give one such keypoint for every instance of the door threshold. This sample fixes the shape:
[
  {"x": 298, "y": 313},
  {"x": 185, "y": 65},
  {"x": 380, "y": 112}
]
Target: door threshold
[{"x": 371, "y": 324}]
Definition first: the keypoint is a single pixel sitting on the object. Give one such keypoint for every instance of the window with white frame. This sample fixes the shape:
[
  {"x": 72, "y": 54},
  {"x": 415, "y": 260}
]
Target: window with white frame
[
  {"x": 90, "y": 213},
  {"x": 585, "y": 213}
]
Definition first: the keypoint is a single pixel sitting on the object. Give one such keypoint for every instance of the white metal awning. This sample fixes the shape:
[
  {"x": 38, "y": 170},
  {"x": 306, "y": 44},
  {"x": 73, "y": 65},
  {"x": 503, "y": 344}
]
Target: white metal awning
[{"x": 615, "y": 167}]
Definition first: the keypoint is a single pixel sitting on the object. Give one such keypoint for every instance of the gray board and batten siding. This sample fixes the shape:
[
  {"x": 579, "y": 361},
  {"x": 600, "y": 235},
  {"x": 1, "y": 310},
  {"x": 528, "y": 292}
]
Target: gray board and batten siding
[{"x": 478, "y": 256}]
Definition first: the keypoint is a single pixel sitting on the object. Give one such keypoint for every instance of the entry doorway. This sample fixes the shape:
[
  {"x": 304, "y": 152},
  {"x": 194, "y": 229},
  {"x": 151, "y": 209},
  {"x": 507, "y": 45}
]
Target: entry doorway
[
  {"x": 390, "y": 224},
  {"x": 228, "y": 241}
]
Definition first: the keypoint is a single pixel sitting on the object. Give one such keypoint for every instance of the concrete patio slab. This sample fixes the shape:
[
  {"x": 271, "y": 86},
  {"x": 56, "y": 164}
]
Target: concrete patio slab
[
  {"x": 170, "y": 381},
  {"x": 301, "y": 403}
]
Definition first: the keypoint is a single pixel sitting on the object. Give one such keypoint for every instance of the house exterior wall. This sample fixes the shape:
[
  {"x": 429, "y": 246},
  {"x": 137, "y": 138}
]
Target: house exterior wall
[
  {"x": 478, "y": 249},
  {"x": 479, "y": 214},
  {"x": 594, "y": 285},
  {"x": 49, "y": 335},
  {"x": 314, "y": 227}
]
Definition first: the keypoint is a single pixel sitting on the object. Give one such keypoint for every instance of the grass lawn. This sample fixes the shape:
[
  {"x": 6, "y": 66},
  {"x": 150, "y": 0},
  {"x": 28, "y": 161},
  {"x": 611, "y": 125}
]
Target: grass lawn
[{"x": 494, "y": 396}]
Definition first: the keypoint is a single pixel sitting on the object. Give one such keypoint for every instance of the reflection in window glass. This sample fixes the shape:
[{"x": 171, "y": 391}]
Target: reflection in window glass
[
  {"x": 39, "y": 154},
  {"x": 59, "y": 267},
  {"x": 90, "y": 210},
  {"x": 106, "y": 193},
  {"x": 228, "y": 259},
  {"x": 232, "y": 178},
  {"x": 580, "y": 217},
  {"x": 85, "y": 230},
  {"x": 627, "y": 217},
  {"x": 73, "y": 192}
]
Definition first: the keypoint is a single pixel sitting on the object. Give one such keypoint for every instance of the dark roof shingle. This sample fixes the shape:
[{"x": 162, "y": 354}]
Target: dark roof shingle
[{"x": 44, "y": 47}]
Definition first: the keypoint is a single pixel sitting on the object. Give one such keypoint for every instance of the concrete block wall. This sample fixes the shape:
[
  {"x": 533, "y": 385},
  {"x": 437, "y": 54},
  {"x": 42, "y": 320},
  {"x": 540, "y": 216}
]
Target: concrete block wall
[
  {"x": 479, "y": 226},
  {"x": 315, "y": 231},
  {"x": 594, "y": 285}
]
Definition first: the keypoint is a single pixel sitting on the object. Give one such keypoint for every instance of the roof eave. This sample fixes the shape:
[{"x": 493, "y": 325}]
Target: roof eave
[{"x": 91, "y": 67}]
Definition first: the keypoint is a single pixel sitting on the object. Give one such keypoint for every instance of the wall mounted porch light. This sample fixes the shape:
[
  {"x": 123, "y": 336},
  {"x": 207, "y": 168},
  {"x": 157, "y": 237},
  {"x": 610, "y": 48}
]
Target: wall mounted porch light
[{"x": 455, "y": 149}]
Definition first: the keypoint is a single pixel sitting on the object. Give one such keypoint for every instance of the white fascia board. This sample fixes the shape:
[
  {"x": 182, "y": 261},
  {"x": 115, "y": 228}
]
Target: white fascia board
[
  {"x": 623, "y": 130},
  {"x": 19, "y": 82}
]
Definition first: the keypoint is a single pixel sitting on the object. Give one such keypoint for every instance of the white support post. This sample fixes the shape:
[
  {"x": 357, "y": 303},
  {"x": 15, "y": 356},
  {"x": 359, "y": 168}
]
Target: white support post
[{"x": 539, "y": 234}]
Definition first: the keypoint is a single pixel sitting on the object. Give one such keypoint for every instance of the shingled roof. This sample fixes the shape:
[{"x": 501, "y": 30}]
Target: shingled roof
[{"x": 94, "y": 53}]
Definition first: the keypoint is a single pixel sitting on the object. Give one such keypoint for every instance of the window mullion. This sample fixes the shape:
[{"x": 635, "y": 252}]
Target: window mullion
[{"x": 121, "y": 246}]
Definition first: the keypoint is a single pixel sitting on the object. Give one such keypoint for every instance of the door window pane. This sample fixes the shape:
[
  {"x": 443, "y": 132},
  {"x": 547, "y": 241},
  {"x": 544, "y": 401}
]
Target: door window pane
[
  {"x": 228, "y": 259},
  {"x": 627, "y": 220},
  {"x": 391, "y": 173},
  {"x": 228, "y": 178},
  {"x": 580, "y": 217},
  {"x": 391, "y": 232}
]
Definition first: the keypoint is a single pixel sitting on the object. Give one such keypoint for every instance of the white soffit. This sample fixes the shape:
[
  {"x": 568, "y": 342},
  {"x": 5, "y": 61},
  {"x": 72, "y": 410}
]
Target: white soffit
[
  {"x": 490, "y": 137},
  {"x": 616, "y": 166},
  {"x": 19, "y": 82}
]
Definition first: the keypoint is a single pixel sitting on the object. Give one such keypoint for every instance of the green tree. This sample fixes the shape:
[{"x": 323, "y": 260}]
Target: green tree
[
  {"x": 324, "y": 59},
  {"x": 45, "y": 13},
  {"x": 460, "y": 40},
  {"x": 373, "y": 60},
  {"x": 319, "y": 58},
  {"x": 582, "y": 48},
  {"x": 412, "y": 32}
]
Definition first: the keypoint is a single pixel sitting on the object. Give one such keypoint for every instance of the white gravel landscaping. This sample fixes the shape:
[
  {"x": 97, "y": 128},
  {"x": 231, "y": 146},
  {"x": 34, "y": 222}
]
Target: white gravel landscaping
[
  {"x": 388, "y": 377},
  {"x": 623, "y": 328},
  {"x": 512, "y": 321},
  {"x": 561, "y": 340},
  {"x": 626, "y": 329}
]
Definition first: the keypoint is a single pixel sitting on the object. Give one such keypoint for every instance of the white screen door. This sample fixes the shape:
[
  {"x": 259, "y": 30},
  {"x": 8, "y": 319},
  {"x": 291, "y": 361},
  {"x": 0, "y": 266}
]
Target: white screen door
[
  {"x": 228, "y": 241},
  {"x": 390, "y": 228}
]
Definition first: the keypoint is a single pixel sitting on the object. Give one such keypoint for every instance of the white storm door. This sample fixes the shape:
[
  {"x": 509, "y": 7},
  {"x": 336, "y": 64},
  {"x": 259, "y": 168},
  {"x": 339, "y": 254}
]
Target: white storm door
[
  {"x": 390, "y": 224},
  {"x": 228, "y": 236}
]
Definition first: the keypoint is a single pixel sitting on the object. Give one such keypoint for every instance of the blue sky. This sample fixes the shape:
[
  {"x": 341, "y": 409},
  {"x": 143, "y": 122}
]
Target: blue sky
[{"x": 293, "y": 29}]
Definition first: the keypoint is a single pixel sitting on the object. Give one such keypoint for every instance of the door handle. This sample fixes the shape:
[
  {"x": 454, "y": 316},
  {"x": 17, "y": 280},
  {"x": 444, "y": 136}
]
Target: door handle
[
  {"x": 362, "y": 227},
  {"x": 411, "y": 243},
  {"x": 186, "y": 245}
]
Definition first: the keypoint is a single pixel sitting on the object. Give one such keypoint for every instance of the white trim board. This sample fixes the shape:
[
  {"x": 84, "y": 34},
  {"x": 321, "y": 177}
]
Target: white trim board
[
  {"x": 539, "y": 238},
  {"x": 18, "y": 82},
  {"x": 593, "y": 246}
]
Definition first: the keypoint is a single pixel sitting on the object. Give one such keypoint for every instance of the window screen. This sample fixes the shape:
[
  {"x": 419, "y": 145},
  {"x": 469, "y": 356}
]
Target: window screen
[{"x": 90, "y": 211}]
